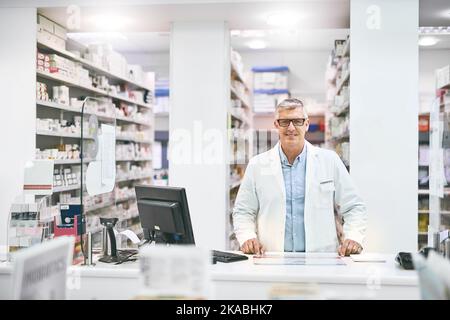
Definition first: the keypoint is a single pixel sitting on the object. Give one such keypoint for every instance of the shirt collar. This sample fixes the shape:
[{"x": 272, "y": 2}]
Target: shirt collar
[{"x": 284, "y": 159}]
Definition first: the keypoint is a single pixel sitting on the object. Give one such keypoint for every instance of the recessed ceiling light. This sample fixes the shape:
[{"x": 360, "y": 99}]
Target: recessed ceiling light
[
  {"x": 282, "y": 19},
  {"x": 109, "y": 22},
  {"x": 428, "y": 41},
  {"x": 256, "y": 44}
]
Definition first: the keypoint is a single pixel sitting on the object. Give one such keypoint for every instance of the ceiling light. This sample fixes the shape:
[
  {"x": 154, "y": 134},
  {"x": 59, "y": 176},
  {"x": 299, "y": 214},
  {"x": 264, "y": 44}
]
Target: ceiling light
[
  {"x": 109, "y": 22},
  {"x": 428, "y": 41},
  {"x": 282, "y": 19},
  {"x": 256, "y": 44},
  {"x": 235, "y": 33}
]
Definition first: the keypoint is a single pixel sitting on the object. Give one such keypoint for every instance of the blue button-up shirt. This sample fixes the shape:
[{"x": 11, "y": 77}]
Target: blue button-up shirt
[{"x": 294, "y": 182}]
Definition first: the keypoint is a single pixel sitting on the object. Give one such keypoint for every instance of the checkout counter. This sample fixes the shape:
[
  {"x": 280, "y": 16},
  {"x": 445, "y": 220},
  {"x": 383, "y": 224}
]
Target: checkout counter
[{"x": 247, "y": 280}]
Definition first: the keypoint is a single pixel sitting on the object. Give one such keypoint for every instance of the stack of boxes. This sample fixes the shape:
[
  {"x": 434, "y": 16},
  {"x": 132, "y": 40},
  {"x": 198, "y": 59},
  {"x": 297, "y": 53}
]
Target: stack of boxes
[
  {"x": 270, "y": 87},
  {"x": 42, "y": 62},
  {"x": 41, "y": 91},
  {"x": 51, "y": 34},
  {"x": 65, "y": 152},
  {"x": 65, "y": 177}
]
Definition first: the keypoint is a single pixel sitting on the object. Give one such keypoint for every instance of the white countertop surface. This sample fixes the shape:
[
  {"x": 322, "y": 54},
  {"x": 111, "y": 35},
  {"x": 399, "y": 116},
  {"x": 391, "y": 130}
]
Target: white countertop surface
[{"x": 388, "y": 273}]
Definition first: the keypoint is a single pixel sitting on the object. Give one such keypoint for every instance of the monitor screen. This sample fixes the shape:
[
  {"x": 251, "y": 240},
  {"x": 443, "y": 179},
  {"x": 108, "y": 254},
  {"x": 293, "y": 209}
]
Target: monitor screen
[{"x": 164, "y": 214}]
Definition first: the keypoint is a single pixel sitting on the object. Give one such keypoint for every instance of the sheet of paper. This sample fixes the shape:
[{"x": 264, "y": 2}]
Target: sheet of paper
[
  {"x": 129, "y": 234},
  {"x": 299, "y": 259},
  {"x": 368, "y": 257}
]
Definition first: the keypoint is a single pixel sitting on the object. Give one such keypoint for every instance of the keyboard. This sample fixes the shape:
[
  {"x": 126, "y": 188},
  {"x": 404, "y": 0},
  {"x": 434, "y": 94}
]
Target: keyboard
[{"x": 227, "y": 256}]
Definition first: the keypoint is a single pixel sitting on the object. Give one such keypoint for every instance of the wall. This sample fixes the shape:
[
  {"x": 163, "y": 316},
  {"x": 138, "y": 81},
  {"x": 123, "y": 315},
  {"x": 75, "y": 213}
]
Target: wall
[
  {"x": 383, "y": 109},
  {"x": 199, "y": 96},
  {"x": 18, "y": 92}
]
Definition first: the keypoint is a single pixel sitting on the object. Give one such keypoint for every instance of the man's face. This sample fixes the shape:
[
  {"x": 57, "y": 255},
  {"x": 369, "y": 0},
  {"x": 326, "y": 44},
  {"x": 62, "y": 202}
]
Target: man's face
[{"x": 292, "y": 135}]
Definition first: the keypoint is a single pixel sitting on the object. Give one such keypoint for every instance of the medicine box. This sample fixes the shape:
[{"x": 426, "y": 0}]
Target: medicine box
[{"x": 46, "y": 24}]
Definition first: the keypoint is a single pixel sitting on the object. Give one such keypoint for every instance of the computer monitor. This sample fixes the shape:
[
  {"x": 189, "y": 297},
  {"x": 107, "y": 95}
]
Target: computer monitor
[{"x": 164, "y": 214}]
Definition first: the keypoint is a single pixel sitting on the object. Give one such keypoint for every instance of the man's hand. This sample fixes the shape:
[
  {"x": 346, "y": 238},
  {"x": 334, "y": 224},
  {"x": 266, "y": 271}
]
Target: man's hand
[
  {"x": 253, "y": 246},
  {"x": 349, "y": 247}
]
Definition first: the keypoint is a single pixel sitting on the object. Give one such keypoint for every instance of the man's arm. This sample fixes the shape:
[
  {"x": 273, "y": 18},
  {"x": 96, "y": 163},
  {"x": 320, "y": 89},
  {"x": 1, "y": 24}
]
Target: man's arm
[
  {"x": 352, "y": 208},
  {"x": 245, "y": 208}
]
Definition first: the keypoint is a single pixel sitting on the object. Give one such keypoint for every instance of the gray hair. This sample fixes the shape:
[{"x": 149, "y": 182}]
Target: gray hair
[{"x": 291, "y": 103}]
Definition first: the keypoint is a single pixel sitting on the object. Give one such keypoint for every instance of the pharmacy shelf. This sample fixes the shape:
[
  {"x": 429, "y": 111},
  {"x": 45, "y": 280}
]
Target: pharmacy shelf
[
  {"x": 144, "y": 123},
  {"x": 91, "y": 66},
  {"x": 131, "y": 160},
  {"x": 341, "y": 84},
  {"x": 427, "y": 192},
  {"x": 99, "y": 206},
  {"x": 239, "y": 76},
  {"x": 343, "y": 109},
  {"x": 61, "y": 134},
  {"x": 126, "y": 199},
  {"x": 72, "y": 161},
  {"x": 340, "y": 138},
  {"x": 235, "y": 94},
  {"x": 445, "y": 212},
  {"x": 125, "y": 99},
  {"x": 133, "y": 140},
  {"x": 101, "y": 116},
  {"x": 346, "y": 51},
  {"x": 69, "y": 82},
  {"x": 238, "y": 116},
  {"x": 72, "y": 83},
  {"x": 66, "y": 188},
  {"x": 133, "y": 178}
]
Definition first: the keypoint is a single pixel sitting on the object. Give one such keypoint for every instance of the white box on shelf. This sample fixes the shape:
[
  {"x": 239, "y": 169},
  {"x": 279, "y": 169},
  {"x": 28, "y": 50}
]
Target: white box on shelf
[
  {"x": 46, "y": 24},
  {"x": 60, "y": 32}
]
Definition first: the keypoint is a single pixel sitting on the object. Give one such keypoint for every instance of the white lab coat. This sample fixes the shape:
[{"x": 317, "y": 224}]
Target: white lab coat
[{"x": 260, "y": 207}]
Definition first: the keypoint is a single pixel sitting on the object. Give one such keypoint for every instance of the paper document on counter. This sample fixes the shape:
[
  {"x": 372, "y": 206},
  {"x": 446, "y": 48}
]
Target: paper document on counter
[
  {"x": 299, "y": 259},
  {"x": 368, "y": 257}
]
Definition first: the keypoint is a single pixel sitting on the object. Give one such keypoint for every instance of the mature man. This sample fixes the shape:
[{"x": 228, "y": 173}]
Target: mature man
[{"x": 287, "y": 196}]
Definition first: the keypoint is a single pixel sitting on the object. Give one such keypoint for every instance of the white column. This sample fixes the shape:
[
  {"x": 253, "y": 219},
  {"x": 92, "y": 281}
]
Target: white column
[
  {"x": 18, "y": 92},
  {"x": 383, "y": 119},
  {"x": 199, "y": 96}
]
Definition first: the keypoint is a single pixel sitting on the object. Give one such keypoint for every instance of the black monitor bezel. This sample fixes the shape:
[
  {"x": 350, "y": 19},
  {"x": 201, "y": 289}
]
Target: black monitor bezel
[{"x": 176, "y": 194}]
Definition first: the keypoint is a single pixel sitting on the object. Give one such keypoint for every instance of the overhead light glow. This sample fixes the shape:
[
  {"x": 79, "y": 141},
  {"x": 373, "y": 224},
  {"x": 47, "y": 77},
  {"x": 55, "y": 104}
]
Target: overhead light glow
[
  {"x": 428, "y": 41},
  {"x": 110, "y": 22},
  {"x": 256, "y": 44},
  {"x": 283, "y": 19}
]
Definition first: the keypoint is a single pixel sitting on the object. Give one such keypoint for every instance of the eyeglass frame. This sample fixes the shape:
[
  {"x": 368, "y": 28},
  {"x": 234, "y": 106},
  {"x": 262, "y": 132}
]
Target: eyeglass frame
[{"x": 291, "y": 121}]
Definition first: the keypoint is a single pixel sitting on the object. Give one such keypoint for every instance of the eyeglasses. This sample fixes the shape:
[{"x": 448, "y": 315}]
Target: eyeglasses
[{"x": 286, "y": 122}]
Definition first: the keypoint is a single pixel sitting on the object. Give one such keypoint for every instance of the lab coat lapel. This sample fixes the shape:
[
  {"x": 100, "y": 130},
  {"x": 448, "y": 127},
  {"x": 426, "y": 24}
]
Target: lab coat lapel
[
  {"x": 310, "y": 198},
  {"x": 275, "y": 165}
]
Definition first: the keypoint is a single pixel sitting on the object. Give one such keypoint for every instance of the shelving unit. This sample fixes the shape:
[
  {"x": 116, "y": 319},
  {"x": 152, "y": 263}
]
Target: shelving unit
[
  {"x": 439, "y": 169},
  {"x": 240, "y": 121},
  {"x": 141, "y": 117},
  {"x": 423, "y": 183},
  {"x": 337, "y": 134}
]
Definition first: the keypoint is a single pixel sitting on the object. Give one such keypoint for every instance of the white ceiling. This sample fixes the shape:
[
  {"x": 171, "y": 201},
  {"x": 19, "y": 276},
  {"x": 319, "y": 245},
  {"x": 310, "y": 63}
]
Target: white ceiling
[
  {"x": 146, "y": 26},
  {"x": 434, "y": 13},
  {"x": 312, "y": 39},
  {"x": 329, "y": 14}
]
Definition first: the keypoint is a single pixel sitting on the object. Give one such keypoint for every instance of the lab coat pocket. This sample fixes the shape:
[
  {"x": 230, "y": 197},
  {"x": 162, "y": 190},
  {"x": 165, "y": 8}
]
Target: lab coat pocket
[{"x": 326, "y": 194}]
